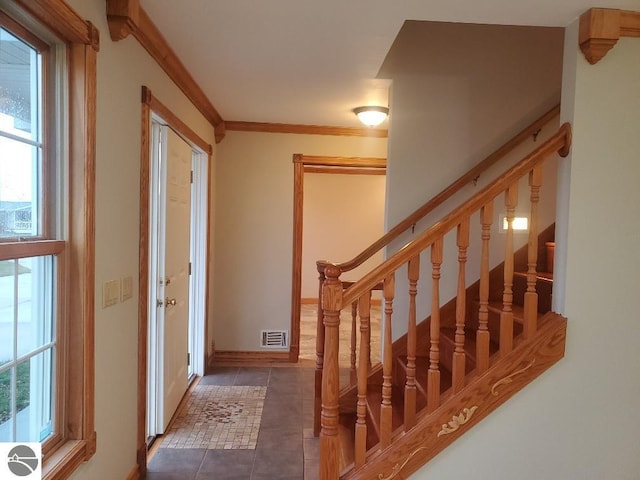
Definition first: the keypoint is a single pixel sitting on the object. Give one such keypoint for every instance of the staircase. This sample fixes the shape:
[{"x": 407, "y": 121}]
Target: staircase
[{"x": 470, "y": 355}]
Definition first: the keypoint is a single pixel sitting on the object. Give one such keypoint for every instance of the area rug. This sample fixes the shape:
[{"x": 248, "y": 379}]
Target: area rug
[{"x": 218, "y": 418}]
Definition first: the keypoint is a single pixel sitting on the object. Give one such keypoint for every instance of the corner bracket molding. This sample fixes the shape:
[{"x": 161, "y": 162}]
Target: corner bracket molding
[
  {"x": 601, "y": 28},
  {"x": 127, "y": 17}
]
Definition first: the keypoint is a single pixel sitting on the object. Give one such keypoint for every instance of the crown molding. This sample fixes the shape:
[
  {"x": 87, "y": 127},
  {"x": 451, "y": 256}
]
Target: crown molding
[
  {"x": 304, "y": 129},
  {"x": 600, "y": 29},
  {"x": 127, "y": 17}
]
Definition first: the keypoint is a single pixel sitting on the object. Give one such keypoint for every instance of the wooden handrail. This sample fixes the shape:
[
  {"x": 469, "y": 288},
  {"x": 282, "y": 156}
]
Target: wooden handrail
[
  {"x": 559, "y": 142},
  {"x": 336, "y": 295},
  {"x": 394, "y": 233},
  {"x": 448, "y": 192}
]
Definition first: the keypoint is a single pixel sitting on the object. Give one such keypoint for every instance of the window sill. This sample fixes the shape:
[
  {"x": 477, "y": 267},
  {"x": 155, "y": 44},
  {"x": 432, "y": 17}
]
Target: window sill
[{"x": 66, "y": 459}]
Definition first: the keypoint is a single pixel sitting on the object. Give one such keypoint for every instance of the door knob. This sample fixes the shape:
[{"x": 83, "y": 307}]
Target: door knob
[{"x": 170, "y": 302}]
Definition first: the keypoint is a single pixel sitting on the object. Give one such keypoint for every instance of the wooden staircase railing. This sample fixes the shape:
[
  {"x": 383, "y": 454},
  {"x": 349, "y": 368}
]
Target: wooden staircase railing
[
  {"x": 451, "y": 190},
  {"x": 396, "y": 420},
  {"x": 472, "y": 175}
]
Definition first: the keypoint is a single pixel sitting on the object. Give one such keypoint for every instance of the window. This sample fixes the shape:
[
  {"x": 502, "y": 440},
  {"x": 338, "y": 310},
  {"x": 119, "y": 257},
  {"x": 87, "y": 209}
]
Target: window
[
  {"x": 21, "y": 127},
  {"x": 29, "y": 291},
  {"x": 47, "y": 172}
]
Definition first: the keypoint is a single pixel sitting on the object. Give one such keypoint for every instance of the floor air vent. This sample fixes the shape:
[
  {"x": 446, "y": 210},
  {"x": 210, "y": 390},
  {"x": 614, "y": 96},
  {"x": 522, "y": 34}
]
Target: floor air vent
[{"x": 274, "y": 338}]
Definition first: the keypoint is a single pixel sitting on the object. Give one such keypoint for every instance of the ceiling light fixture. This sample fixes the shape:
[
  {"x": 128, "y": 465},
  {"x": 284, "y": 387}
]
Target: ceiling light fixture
[{"x": 371, "y": 116}]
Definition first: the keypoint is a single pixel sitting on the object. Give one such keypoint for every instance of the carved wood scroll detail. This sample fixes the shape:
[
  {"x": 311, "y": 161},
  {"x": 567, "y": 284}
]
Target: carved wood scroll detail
[
  {"x": 600, "y": 29},
  {"x": 508, "y": 379},
  {"x": 457, "y": 421},
  {"x": 396, "y": 469},
  {"x": 454, "y": 424}
]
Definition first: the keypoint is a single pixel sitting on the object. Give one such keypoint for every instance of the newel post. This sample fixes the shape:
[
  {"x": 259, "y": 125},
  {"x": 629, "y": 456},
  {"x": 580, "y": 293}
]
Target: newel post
[
  {"x": 329, "y": 442},
  {"x": 317, "y": 401}
]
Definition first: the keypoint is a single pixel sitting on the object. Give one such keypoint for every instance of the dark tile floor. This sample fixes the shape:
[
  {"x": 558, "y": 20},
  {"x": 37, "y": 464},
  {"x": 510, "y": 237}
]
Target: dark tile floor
[{"x": 286, "y": 449}]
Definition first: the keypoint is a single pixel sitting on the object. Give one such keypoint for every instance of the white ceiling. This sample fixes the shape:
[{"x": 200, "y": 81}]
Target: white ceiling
[{"x": 313, "y": 61}]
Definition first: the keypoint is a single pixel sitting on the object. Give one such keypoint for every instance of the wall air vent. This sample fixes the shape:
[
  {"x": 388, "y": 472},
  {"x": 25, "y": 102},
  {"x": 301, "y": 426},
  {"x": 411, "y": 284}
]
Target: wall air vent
[{"x": 274, "y": 338}]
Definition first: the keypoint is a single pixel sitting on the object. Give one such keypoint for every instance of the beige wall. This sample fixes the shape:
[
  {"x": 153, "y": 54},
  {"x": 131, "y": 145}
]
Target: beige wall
[
  {"x": 580, "y": 420},
  {"x": 123, "y": 67},
  {"x": 458, "y": 93},
  {"x": 462, "y": 92},
  {"x": 254, "y": 229},
  {"x": 343, "y": 214}
]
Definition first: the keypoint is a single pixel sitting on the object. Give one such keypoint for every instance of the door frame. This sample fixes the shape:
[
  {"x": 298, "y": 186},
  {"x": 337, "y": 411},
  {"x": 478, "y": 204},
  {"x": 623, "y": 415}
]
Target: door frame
[
  {"x": 199, "y": 255},
  {"x": 161, "y": 135},
  {"x": 150, "y": 106},
  {"x": 316, "y": 164}
]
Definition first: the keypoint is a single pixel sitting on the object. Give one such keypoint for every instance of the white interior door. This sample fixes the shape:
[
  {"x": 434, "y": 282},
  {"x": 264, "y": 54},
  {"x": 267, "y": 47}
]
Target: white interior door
[{"x": 174, "y": 273}]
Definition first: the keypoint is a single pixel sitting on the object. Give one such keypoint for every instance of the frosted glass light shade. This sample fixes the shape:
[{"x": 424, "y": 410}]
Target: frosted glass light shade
[{"x": 371, "y": 116}]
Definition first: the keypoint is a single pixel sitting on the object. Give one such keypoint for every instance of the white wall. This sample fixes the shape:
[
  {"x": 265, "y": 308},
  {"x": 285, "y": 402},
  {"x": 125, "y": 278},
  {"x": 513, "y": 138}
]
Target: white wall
[
  {"x": 459, "y": 93},
  {"x": 123, "y": 67},
  {"x": 254, "y": 228},
  {"x": 580, "y": 420},
  {"x": 343, "y": 214}
]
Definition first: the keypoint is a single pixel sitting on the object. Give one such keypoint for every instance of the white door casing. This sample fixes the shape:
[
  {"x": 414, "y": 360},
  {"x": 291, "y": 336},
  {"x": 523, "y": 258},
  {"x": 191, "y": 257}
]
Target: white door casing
[{"x": 199, "y": 244}]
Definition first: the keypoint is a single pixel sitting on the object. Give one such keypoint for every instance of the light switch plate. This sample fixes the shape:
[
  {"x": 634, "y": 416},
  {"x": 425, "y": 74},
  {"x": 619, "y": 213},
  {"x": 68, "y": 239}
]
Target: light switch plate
[
  {"x": 127, "y": 287},
  {"x": 110, "y": 293}
]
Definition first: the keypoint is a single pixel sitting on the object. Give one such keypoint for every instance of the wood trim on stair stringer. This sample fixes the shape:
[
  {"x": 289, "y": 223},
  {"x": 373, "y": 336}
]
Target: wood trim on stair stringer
[{"x": 409, "y": 451}]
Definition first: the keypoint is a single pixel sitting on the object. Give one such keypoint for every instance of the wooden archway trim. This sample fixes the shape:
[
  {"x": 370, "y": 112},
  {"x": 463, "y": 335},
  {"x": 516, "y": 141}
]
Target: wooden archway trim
[
  {"x": 316, "y": 164},
  {"x": 600, "y": 29}
]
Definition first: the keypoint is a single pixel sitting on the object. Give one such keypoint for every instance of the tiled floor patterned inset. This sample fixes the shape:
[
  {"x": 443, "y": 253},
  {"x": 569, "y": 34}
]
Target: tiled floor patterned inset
[{"x": 218, "y": 418}]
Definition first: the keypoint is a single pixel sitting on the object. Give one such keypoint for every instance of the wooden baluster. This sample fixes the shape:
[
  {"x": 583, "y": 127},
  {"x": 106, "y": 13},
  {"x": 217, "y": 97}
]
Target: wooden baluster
[
  {"x": 329, "y": 442},
  {"x": 363, "y": 373},
  {"x": 386, "y": 408},
  {"x": 483, "y": 336},
  {"x": 317, "y": 401},
  {"x": 531, "y": 295},
  {"x": 354, "y": 321},
  {"x": 459, "y": 357},
  {"x": 366, "y": 335},
  {"x": 506, "y": 316},
  {"x": 433, "y": 375},
  {"x": 410, "y": 386}
]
